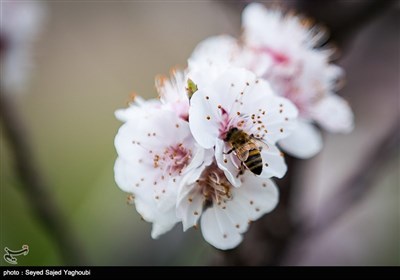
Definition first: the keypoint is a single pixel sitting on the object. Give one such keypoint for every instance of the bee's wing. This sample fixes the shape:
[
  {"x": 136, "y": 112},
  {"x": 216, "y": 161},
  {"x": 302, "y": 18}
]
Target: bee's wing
[
  {"x": 242, "y": 153},
  {"x": 260, "y": 144}
]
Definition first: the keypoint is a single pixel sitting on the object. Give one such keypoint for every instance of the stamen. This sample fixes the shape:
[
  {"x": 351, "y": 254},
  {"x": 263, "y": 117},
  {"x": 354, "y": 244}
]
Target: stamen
[{"x": 216, "y": 189}]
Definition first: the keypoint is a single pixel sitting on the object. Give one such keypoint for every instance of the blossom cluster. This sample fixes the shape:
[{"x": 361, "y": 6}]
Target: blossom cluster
[{"x": 207, "y": 149}]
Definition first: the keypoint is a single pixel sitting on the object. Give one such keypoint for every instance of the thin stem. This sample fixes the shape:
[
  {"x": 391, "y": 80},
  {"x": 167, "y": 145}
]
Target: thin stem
[{"x": 34, "y": 186}]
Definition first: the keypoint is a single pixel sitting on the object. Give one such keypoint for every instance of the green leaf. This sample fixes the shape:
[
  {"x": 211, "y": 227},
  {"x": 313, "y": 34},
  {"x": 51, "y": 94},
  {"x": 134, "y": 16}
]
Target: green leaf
[{"x": 191, "y": 88}]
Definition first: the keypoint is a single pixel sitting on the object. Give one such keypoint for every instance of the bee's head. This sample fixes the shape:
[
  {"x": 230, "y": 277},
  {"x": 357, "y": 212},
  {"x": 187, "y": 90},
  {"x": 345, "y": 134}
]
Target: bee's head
[{"x": 230, "y": 132}]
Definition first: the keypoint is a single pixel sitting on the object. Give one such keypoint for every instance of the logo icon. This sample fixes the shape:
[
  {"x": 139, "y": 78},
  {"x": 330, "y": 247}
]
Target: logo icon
[{"x": 10, "y": 255}]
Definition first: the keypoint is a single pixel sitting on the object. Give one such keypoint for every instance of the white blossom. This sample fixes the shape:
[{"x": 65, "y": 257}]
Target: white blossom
[
  {"x": 239, "y": 99},
  {"x": 175, "y": 154},
  {"x": 285, "y": 51},
  {"x": 172, "y": 156},
  {"x": 226, "y": 211},
  {"x": 155, "y": 150}
]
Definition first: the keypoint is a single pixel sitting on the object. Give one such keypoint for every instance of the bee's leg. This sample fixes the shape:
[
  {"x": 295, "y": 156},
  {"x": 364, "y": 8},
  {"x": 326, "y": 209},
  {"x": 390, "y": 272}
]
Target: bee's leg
[
  {"x": 241, "y": 169},
  {"x": 228, "y": 152}
]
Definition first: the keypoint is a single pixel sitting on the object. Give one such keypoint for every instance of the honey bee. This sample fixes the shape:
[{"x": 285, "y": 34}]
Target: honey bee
[{"x": 247, "y": 148}]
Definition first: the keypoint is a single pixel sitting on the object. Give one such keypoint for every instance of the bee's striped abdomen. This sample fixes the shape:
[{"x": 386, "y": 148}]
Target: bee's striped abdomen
[{"x": 254, "y": 161}]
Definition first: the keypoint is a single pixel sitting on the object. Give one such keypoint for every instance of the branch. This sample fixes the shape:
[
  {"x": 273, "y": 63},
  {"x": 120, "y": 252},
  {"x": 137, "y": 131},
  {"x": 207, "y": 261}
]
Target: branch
[
  {"x": 34, "y": 186},
  {"x": 270, "y": 239},
  {"x": 344, "y": 18},
  {"x": 352, "y": 190}
]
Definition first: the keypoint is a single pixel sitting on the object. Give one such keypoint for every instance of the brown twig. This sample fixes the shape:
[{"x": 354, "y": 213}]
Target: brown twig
[
  {"x": 350, "y": 192},
  {"x": 34, "y": 186}
]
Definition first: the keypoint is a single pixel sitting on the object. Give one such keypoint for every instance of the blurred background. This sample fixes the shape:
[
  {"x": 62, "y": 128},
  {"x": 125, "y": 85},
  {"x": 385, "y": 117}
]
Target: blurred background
[{"x": 88, "y": 57}]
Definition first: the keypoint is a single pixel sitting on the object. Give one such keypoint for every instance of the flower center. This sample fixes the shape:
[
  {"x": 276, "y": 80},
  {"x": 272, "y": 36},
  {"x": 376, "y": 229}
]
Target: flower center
[
  {"x": 173, "y": 159},
  {"x": 227, "y": 122},
  {"x": 251, "y": 124},
  {"x": 214, "y": 186},
  {"x": 277, "y": 56},
  {"x": 286, "y": 79},
  {"x": 182, "y": 109}
]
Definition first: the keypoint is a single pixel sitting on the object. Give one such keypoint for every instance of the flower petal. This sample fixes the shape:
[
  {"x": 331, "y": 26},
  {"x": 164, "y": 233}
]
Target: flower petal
[
  {"x": 216, "y": 49},
  {"x": 218, "y": 230},
  {"x": 189, "y": 205},
  {"x": 272, "y": 115},
  {"x": 161, "y": 226},
  {"x": 163, "y": 221},
  {"x": 334, "y": 114},
  {"x": 172, "y": 89},
  {"x": 254, "y": 19},
  {"x": 203, "y": 120},
  {"x": 165, "y": 192},
  {"x": 190, "y": 200},
  {"x": 273, "y": 162},
  {"x": 200, "y": 157},
  {"x": 138, "y": 109},
  {"x": 145, "y": 201},
  {"x": 259, "y": 196},
  {"x": 222, "y": 226},
  {"x": 226, "y": 164},
  {"x": 133, "y": 178},
  {"x": 169, "y": 129},
  {"x": 305, "y": 141},
  {"x": 124, "y": 176},
  {"x": 278, "y": 120},
  {"x": 125, "y": 142}
]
